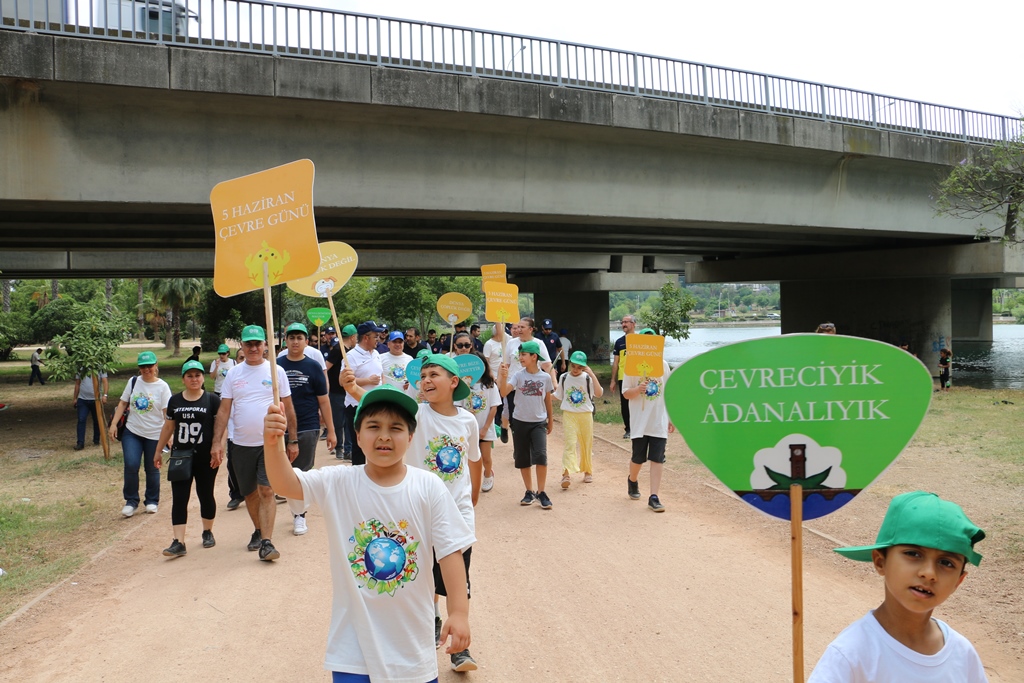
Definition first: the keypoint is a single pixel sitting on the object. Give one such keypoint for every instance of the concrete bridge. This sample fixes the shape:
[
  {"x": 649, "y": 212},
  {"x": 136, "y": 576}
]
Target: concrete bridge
[{"x": 111, "y": 147}]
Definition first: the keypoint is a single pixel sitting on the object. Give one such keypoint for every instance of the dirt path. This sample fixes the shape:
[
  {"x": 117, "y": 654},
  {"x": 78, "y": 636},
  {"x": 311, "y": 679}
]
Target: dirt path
[{"x": 599, "y": 588}]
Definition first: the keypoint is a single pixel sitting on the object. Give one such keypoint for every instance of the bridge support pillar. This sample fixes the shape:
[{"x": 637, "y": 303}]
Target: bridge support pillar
[
  {"x": 917, "y": 311},
  {"x": 583, "y": 314},
  {"x": 972, "y": 310}
]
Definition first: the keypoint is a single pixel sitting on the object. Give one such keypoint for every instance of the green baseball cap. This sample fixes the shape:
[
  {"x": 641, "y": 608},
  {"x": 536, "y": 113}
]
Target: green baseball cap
[
  {"x": 647, "y": 330},
  {"x": 579, "y": 358},
  {"x": 192, "y": 365},
  {"x": 423, "y": 353},
  {"x": 923, "y": 519},
  {"x": 296, "y": 327},
  {"x": 223, "y": 348},
  {"x": 530, "y": 347},
  {"x": 385, "y": 393},
  {"x": 348, "y": 330},
  {"x": 449, "y": 364},
  {"x": 253, "y": 333},
  {"x": 146, "y": 358}
]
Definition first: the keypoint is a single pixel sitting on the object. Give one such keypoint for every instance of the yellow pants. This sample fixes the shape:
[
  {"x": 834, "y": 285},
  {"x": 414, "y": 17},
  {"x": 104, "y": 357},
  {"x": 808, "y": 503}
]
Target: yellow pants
[{"x": 579, "y": 430}]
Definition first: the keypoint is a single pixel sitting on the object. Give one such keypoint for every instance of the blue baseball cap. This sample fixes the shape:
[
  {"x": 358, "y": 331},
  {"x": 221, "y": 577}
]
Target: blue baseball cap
[{"x": 396, "y": 335}]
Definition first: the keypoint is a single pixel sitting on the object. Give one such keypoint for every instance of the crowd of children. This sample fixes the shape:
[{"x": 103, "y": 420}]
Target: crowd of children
[{"x": 427, "y": 443}]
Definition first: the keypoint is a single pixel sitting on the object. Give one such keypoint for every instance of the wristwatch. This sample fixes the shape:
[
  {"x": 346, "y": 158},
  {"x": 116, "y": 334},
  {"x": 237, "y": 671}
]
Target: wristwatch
[{"x": 291, "y": 441}]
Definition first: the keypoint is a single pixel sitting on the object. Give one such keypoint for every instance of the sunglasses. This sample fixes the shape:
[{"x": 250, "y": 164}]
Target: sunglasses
[
  {"x": 463, "y": 346},
  {"x": 827, "y": 326}
]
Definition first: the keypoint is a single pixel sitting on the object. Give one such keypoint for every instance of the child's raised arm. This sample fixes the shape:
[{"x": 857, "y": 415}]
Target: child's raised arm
[
  {"x": 279, "y": 471},
  {"x": 504, "y": 388},
  {"x": 598, "y": 389},
  {"x": 453, "y": 571}
]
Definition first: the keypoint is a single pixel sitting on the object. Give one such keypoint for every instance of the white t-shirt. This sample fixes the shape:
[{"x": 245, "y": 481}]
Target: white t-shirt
[
  {"x": 443, "y": 444},
  {"x": 512, "y": 355},
  {"x": 311, "y": 353},
  {"x": 393, "y": 368},
  {"x": 575, "y": 393},
  {"x": 492, "y": 354},
  {"x": 386, "y": 629},
  {"x": 219, "y": 370},
  {"x": 647, "y": 414},
  {"x": 147, "y": 401},
  {"x": 251, "y": 393},
  {"x": 566, "y": 348},
  {"x": 480, "y": 402},
  {"x": 865, "y": 653},
  {"x": 364, "y": 364},
  {"x": 531, "y": 390}
]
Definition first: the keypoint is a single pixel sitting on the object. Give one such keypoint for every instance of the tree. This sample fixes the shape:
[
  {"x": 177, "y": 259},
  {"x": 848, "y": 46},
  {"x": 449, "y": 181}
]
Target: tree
[
  {"x": 988, "y": 182},
  {"x": 91, "y": 346},
  {"x": 176, "y": 293},
  {"x": 669, "y": 314}
]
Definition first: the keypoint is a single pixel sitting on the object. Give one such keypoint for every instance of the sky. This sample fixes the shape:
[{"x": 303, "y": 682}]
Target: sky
[{"x": 961, "y": 54}]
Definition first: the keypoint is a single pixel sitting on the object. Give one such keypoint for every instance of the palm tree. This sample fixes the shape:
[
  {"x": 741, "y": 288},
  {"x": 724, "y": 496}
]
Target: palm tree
[
  {"x": 6, "y": 285},
  {"x": 176, "y": 293},
  {"x": 141, "y": 320}
]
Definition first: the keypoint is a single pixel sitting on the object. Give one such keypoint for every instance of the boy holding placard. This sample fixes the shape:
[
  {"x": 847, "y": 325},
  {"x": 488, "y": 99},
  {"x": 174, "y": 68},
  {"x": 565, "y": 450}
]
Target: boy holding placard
[
  {"x": 447, "y": 444},
  {"x": 649, "y": 425},
  {"x": 380, "y": 519},
  {"x": 922, "y": 551}
]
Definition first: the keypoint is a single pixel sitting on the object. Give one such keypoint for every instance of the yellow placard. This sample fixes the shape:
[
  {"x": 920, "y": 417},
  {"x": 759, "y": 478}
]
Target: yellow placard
[
  {"x": 644, "y": 354},
  {"x": 454, "y": 307},
  {"x": 266, "y": 217},
  {"x": 494, "y": 272},
  {"x": 338, "y": 262},
  {"x": 502, "y": 302}
]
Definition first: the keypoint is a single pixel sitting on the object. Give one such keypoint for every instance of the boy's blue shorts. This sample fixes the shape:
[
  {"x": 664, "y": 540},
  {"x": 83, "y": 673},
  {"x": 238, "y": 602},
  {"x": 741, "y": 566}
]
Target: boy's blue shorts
[{"x": 339, "y": 677}]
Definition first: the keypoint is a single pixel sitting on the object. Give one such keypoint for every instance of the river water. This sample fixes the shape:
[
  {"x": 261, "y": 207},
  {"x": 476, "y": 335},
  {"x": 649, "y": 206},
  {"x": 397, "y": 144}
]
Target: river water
[{"x": 999, "y": 365}]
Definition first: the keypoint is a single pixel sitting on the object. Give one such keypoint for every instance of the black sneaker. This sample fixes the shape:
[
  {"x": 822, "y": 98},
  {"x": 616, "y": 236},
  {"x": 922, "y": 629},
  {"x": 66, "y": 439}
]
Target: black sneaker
[
  {"x": 528, "y": 498},
  {"x": 437, "y": 631},
  {"x": 279, "y": 499},
  {"x": 176, "y": 549},
  {"x": 79, "y": 447},
  {"x": 461, "y": 661},
  {"x": 504, "y": 435},
  {"x": 254, "y": 542},
  {"x": 545, "y": 502},
  {"x": 655, "y": 504},
  {"x": 634, "y": 489},
  {"x": 234, "y": 503},
  {"x": 626, "y": 436},
  {"x": 268, "y": 552},
  {"x": 208, "y": 541}
]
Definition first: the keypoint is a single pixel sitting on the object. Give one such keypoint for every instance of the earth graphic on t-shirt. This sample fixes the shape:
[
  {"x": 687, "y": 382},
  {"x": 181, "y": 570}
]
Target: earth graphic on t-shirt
[
  {"x": 384, "y": 559},
  {"x": 397, "y": 372},
  {"x": 448, "y": 459},
  {"x": 575, "y": 397},
  {"x": 476, "y": 403},
  {"x": 141, "y": 403},
  {"x": 653, "y": 388}
]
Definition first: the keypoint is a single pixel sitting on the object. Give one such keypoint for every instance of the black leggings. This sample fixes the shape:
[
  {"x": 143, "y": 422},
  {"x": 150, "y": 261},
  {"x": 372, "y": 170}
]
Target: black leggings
[{"x": 204, "y": 477}]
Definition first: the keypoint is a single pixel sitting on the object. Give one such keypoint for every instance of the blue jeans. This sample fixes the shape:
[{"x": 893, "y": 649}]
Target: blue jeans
[
  {"x": 133, "y": 447},
  {"x": 86, "y": 408}
]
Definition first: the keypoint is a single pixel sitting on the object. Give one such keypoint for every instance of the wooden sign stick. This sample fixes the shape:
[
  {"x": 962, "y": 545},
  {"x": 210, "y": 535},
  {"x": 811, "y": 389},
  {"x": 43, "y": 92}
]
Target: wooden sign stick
[
  {"x": 796, "y": 520},
  {"x": 102, "y": 418},
  {"x": 334, "y": 317},
  {"x": 272, "y": 352}
]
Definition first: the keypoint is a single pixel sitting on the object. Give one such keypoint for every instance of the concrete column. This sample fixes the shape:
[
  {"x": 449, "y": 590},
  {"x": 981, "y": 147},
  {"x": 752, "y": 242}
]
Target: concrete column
[
  {"x": 584, "y": 314},
  {"x": 972, "y": 310},
  {"x": 917, "y": 311}
]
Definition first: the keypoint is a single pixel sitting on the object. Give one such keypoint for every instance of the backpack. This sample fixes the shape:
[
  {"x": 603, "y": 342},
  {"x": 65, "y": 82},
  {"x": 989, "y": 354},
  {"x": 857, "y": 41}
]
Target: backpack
[{"x": 590, "y": 393}]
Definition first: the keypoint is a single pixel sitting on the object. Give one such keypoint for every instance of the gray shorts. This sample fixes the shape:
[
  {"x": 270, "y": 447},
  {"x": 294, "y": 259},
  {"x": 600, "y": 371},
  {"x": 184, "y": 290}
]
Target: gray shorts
[
  {"x": 307, "y": 450},
  {"x": 250, "y": 468}
]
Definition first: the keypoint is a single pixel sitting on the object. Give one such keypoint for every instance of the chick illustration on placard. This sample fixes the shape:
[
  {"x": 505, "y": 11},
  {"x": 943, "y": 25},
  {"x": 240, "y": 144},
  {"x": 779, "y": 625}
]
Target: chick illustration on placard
[{"x": 276, "y": 260}]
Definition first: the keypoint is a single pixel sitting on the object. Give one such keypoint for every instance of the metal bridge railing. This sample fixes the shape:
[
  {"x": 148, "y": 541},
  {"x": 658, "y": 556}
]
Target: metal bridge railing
[{"x": 290, "y": 30}]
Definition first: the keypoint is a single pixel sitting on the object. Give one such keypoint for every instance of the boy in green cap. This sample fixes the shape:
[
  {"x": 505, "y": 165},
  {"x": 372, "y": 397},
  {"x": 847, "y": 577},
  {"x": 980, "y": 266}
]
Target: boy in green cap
[
  {"x": 921, "y": 551},
  {"x": 447, "y": 443},
  {"x": 381, "y": 520}
]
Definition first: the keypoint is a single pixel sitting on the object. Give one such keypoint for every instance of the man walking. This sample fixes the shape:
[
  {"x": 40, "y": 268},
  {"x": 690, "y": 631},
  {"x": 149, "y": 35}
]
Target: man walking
[
  {"x": 619, "y": 369},
  {"x": 309, "y": 399},
  {"x": 36, "y": 361},
  {"x": 85, "y": 405},
  {"x": 245, "y": 397}
]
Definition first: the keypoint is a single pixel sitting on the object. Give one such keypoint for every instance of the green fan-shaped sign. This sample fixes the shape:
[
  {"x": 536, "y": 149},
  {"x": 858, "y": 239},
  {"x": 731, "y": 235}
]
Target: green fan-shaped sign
[
  {"x": 828, "y": 412},
  {"x": 319, "y": 316}
]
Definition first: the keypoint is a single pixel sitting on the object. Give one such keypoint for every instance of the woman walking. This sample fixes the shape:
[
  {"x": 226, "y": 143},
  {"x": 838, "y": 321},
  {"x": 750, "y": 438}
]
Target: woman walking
[
  {"x": 145, "y": 398},
  {"x": 188, "y": 430}
]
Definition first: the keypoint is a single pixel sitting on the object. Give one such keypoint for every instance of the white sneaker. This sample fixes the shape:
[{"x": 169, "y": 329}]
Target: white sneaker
[
  {"x": 300, "y": 526},
  {"x": 128, "y": 510},
  {"x": 487, "y": 484},
  {"x": 151, "y": 508}
]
